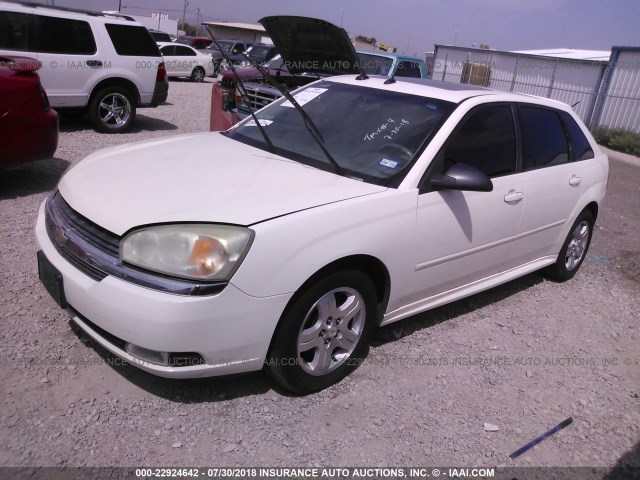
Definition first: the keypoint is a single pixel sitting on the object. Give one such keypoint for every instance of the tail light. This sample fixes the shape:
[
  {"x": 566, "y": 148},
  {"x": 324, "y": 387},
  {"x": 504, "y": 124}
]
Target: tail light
[
  {"x": 43, "y": 98},
  {"x": 161, "y": 75}
]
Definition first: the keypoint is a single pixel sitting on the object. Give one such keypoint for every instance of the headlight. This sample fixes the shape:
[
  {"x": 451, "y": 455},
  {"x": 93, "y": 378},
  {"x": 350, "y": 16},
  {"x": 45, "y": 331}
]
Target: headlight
[
  {"x": 245, "y": 63},
  {"x": 199, "y": 252}
]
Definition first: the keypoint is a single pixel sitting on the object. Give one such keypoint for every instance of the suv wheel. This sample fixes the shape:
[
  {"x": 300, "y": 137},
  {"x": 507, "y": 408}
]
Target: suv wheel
[
  {"x": 324, "y": 335},
  {"x": 112, "y": 110},
  {"x": 197, "y": 75}
]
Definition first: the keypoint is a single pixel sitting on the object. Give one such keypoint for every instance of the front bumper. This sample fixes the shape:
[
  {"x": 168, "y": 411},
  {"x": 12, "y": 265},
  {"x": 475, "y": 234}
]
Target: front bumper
[{"x": 231, "y": 331}]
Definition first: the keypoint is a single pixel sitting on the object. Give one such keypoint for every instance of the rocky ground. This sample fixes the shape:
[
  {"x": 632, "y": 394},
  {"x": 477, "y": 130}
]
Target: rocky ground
[{"x": 523, "y": 357}]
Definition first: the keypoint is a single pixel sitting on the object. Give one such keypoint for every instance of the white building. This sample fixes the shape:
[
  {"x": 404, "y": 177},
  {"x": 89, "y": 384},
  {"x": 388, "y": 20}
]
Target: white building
[{"x": 603, "y": 87}]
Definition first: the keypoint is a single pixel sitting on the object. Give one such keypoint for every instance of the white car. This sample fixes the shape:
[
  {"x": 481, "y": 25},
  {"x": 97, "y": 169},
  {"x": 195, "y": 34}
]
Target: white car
[
  {"x": 282, "y": 243},
  {"x": 185, "y": 61},
  {"x": 105, "y": 65}
]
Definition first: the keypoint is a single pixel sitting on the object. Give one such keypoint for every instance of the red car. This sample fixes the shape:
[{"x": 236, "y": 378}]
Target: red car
[{"x": 28, "y": 125}]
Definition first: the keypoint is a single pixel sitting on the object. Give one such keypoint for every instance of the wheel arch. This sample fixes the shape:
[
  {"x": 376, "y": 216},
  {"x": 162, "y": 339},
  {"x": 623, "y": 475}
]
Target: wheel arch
[
  {"x": 593, "y": 208},
  {"x": 117, "y": 82},
  {"x": 373, "y": 267}
]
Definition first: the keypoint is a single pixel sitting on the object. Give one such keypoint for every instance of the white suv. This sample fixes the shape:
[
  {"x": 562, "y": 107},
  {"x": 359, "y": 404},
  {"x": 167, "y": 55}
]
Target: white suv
[{"x": 100, "y": 64}]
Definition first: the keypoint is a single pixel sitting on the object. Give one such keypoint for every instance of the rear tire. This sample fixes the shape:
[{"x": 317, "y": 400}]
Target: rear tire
[
  {"x": 324, "y": 334},
  {"x": 197, "y": 75},
  {"x": 112, "y": 110},
  {"x": 574, "y": 250}
]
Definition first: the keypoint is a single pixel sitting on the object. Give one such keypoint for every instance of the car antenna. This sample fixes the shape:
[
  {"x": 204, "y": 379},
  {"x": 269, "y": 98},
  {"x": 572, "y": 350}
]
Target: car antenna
[
  {"x": 390, "y": 80},
  {"x": 363, "y": 75},
  {"x": 243, "y": 94},
  {"x": 575, "y": 104},
  {"x": 311, "y": 127}
]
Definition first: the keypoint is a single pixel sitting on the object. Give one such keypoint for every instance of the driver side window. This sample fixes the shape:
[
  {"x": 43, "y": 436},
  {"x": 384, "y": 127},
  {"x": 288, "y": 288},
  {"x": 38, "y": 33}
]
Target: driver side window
[{"x": 486, "y": 140}]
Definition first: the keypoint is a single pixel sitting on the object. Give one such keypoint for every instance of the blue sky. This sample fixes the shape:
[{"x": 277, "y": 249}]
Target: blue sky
[{"x": 413, "y": 26}]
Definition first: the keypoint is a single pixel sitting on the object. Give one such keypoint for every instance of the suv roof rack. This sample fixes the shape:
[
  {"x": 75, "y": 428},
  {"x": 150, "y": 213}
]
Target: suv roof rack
[{"x": 77, "y": 10}]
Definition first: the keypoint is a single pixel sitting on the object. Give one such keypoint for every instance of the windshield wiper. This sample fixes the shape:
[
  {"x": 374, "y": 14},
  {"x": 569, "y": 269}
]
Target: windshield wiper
[
  {"x": 243, "y": 94},
  {"x": 311, "y": 127}
]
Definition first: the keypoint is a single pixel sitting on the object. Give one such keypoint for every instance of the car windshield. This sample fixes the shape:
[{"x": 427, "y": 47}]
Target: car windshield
[
  {"x": 373, "y": 134},
  {"x": 375, "y": 64},
  {"x": 258, "y": 53}
]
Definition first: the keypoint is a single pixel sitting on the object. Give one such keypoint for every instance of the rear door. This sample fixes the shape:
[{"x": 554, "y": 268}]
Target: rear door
[{"x": 553, "y": 183}]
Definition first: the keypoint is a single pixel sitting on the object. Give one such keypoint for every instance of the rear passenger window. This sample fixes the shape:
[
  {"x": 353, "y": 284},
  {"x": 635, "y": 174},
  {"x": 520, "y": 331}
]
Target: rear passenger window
[
  {"x": 14, "y": 31},
  {"x": 184, "y": 52},
  {"x": 63, "y": 35},
  {"x": 545, "y": 143},
  {"x": 486, "y": 141},
  {"x": 132, "y": 40},
  {"x": 580, "y": 146},
  {"x": 168, "y": 51}
]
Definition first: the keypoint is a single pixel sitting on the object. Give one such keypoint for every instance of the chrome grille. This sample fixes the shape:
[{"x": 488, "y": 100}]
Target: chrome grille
[
  {"x": 73, "y": 236},
  {"x": 259, "y": 98}
]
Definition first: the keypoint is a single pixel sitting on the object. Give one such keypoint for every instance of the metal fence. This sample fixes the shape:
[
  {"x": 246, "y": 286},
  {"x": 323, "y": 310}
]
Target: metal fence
[{"x": 602, "y": 93}]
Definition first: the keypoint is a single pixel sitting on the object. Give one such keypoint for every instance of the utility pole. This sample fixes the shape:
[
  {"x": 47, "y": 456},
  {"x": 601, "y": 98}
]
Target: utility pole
[
  {"x": 119, "y": 5},
  {"x": 184, "y": 15},
  {"x": 455, "y": 36},
  {"x": 342, "y": 17}
]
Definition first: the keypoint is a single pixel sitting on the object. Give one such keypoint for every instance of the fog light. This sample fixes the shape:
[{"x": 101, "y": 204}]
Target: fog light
[{"x": 151, "y": 356}]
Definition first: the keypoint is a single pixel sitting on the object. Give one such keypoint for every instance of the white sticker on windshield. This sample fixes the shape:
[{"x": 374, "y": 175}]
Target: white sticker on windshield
[
  {"x": 385, "y": 162},
  {"x": 263, "y": 122},
  {"x": 305, "y": 96}
]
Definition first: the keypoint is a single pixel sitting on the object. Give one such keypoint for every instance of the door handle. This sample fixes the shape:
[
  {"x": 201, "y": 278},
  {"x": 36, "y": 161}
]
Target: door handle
[
  {"x": 513, "y": 196},
  {"x": 94, "y": 63},
  {"x": 574, "y": 181}
]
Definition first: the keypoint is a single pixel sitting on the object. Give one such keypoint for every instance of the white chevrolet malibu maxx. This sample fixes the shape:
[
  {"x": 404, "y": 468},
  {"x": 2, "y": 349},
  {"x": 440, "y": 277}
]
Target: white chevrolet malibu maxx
[{"x": 285, "y": 241}]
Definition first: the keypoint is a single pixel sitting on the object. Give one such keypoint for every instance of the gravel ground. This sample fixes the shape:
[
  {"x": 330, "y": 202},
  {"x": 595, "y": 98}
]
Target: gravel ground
[{"x": 523, "y": 356}]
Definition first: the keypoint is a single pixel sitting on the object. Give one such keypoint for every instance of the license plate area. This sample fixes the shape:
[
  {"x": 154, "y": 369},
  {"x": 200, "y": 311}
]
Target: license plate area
[{"x": 51, "y": 278}]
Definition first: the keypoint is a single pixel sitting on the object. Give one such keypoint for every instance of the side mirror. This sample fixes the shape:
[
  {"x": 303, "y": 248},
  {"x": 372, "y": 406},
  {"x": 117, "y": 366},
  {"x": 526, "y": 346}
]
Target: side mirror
[{"x": 461, "y": 176}]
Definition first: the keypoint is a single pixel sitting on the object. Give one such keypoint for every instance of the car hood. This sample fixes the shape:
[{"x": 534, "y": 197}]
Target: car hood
[
  {"x": 312, "y": 45},
  {"x": 203, "y": 177}
]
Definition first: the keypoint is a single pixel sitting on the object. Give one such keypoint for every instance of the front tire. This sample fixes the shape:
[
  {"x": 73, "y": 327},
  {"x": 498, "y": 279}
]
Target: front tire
[
  {"x": 197, "y": 75},
  {"x": 324, "y": 334},
  {"x": 574, "y": 249},
  {"x": 112, "y": 110}
]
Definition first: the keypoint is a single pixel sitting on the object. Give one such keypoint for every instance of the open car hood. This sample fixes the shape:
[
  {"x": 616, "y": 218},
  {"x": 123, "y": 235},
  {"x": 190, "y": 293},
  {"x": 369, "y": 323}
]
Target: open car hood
[{"x": 312, "y": 45}]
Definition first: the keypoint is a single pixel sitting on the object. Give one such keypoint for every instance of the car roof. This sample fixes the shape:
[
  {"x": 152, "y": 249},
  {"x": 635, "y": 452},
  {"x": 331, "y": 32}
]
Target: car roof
[
  {"x": 447, "y": 91},
  {"x": 64, "y": 12},
  {"x": 381, "y": 53}
]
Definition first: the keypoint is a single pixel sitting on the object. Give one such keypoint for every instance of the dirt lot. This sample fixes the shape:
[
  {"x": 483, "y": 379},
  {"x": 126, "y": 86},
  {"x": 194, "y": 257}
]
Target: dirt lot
[{"x": 523, "y": 356}]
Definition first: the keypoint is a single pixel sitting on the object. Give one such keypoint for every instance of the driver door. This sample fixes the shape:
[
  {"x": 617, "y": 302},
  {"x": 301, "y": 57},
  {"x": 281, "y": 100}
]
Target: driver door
[{"x": 464, "y": 236}]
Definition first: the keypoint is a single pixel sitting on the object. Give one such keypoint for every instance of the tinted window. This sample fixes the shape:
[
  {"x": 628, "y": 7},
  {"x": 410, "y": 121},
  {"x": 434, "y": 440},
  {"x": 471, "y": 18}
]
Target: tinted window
[
  {"x": 45, "y": 34},
  {"x": 579, "y": 143},
  {"x": 485, "y": 141},
  {"x": 544, "y": 140},
  {"x": 168, "y": 50},
  {"x": 160, "y": 36},
  {"x": 132, "y": 40},
  {"x": 408, "y": 69},
  {"x": 14, "y": 31},
  {"x": 184, "y": 51}
]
